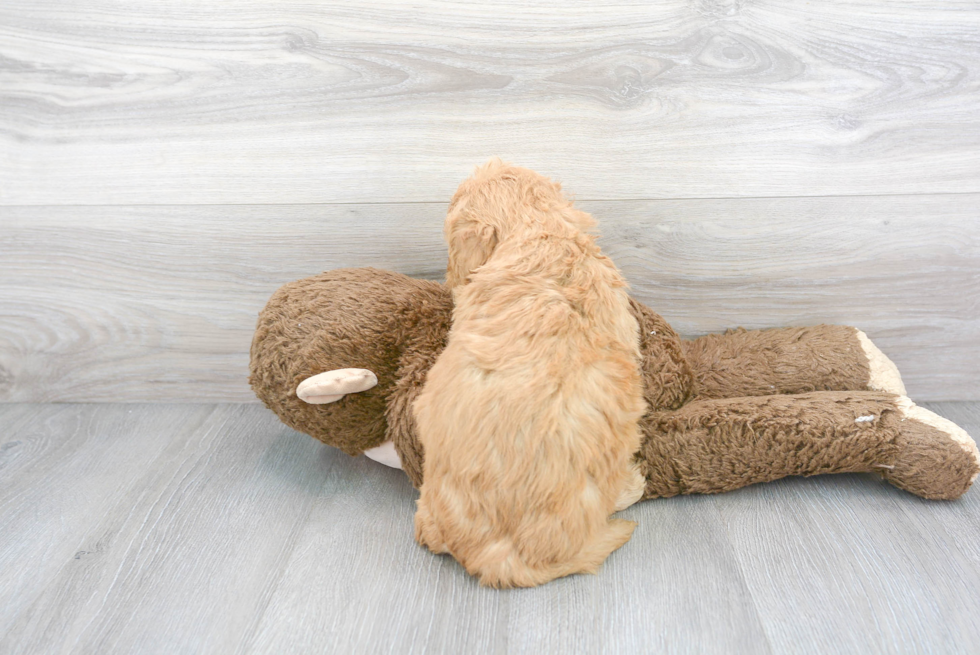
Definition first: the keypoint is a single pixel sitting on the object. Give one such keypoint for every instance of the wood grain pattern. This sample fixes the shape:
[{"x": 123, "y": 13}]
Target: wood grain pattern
[
  {"x": 675, "y": 586},
  {"x": 905, "y": 270},
  {"x": 68, "y": 469},
  {"x": 172, "y": 526},
  {"x": 875, "y": 567},
  {"x": 159, "y": 303},
  {"x": 960, "y": 521},
  {"x": 162, "y": 102},
  {"x": 202, "y": 528},
  {"x": 358, "y": 548}
]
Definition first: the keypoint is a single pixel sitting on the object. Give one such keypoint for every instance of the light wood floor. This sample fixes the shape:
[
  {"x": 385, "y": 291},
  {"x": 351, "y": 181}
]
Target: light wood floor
[{"x": 216, "y": 529}]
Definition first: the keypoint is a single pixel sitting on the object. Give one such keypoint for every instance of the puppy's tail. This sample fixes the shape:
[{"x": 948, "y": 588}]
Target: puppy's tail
[{"x": 501, "y": 565}]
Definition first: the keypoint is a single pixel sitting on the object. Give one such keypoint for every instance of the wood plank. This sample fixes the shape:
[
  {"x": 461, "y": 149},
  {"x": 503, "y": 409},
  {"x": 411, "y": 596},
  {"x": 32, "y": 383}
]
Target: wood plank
[
  {"x": 848, "y": 563},
  {"x": 676, "y": 586},
  {"x": 960, "y": 520},
  {"x": 182, "y": 558},
  {"x": 14, "y": 453},
  {"x": 836, "y": 564},
  {"x": 159, "y": 303},
  {"x": 73, "y": 464},
  {"x": 195, "y": 528},
  {"x": 358, "y": 582},
  {"x": 25, "y": 447},
  {"x": 245, "y": 536},
  {"x": 383, "y": 101},
  {"x": 676, "y": 582},
  {"x": 906, "y": 270}
]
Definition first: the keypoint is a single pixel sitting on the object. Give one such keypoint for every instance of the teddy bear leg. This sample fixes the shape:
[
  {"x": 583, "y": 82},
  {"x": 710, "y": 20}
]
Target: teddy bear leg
[
  {"x": 937, "y": 458},
  {"x": 709, "y": 446},
  {"x": 789, "y": 360},
  {"x": 883, "y": 375}
]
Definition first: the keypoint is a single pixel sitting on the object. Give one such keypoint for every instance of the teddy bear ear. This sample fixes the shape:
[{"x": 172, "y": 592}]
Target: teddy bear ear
[
  {"x": 331, "y": 386},
  {"x": 470, "y": 246}
]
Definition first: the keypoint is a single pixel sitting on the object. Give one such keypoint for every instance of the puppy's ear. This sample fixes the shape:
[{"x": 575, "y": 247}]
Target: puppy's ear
[
  {"x": 470, "y": 246},
  {"x": 579, "y": 219}
]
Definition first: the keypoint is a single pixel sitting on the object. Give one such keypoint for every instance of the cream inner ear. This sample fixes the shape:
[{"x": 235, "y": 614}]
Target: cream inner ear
[
  {"x": 385, "y": 454},
  {"x": 331, "y": 386},
  {"x": 470, "y": 246}
]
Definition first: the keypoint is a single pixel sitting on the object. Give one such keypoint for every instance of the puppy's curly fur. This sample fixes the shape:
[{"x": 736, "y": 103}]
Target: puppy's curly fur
[{"x": 529, "y": 417}]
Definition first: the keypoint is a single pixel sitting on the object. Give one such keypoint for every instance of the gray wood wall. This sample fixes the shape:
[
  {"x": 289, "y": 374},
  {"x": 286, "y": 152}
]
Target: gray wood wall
[{"x": 164, "y": 166}]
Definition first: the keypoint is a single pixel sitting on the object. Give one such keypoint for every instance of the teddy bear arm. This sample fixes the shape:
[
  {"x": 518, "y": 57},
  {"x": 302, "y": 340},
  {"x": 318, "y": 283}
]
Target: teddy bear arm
[
  {"x": 717, "y": 445},
  {"x": 789, "y": 360},
  {"x": 429, "y": 334},
  {"x": 402, "y": 433}
]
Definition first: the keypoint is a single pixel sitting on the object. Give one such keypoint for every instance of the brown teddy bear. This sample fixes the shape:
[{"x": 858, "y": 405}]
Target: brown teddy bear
[{"x": 342, "y": 355}]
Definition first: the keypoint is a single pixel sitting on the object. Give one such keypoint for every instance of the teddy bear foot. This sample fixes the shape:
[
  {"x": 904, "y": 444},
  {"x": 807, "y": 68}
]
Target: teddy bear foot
[
  {"x": 333, "y": 385},
  {"x": 937, "y": 460},
  {"x": 884, "y": 374}
]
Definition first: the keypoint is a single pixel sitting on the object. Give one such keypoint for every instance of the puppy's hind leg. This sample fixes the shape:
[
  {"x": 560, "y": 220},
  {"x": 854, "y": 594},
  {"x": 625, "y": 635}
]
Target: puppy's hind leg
[
  {"x": 427, "y": 533},
  {"x": 500, "y": 564},
  {"x": 633, "y": 490},
  {"x": 613, "y": 535}
]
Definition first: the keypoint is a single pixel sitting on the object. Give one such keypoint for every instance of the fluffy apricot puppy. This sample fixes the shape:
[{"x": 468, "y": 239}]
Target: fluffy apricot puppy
[{"x": 529, "y": 417}]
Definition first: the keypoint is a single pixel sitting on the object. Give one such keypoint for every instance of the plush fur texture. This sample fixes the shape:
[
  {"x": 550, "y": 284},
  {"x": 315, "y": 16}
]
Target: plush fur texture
[
  {"x": 325, "y": 323},
  {"x": 397, "y": 326},
  {"x": 711, "y": 446},
  {"x": 529, "y": 416},
  {"x": 785, "y": 360}
]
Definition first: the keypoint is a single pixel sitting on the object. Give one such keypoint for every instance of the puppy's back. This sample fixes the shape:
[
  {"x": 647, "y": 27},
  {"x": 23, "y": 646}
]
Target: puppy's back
[{"x": 529, "y": 418}]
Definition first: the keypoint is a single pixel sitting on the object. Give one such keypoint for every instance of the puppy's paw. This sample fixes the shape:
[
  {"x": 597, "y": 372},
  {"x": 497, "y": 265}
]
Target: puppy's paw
[
  {"x": 884, "y": 375},
  {"x": 633, "y": 491},
  {"x": 333, "y": 385},
  {"x": 426, "y": 531}
]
